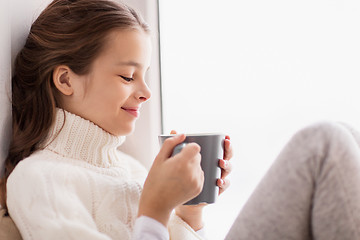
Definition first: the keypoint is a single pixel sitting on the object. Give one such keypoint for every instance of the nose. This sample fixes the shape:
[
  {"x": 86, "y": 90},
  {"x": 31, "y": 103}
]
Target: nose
[{"x": 144, "y": 92}]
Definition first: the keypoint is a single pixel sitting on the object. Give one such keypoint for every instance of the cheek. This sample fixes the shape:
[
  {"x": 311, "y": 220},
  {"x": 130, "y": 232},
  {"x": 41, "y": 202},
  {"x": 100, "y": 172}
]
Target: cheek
[
  {"x": 114, "y": 96},
  {"x": 104, "y": 91}
]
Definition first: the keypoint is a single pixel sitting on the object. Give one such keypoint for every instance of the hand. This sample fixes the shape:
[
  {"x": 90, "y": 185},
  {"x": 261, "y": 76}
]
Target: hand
[
  {"x": 225, "y": 166},
  {"x": 171, "y": 181},
  {"x": 191, "y": 214}
]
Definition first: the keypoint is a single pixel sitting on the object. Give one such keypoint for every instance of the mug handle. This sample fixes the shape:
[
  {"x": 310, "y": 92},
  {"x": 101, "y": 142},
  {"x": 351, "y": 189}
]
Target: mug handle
[{"x": 178, "y": 149}]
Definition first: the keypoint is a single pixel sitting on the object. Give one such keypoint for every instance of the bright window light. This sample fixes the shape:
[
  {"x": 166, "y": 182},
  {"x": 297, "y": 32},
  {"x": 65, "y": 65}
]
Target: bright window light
[{"x": 258, "y": 71}]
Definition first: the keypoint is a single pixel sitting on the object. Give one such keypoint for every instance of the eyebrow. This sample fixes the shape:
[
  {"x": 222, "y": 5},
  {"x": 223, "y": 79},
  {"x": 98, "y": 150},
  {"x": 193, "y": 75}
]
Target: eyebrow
[{"x": 132, "y": 63}]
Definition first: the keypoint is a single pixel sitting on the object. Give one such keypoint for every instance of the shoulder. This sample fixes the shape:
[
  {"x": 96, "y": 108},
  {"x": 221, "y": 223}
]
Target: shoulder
[
  {"x": 39, "y": 167},
  {"x": 27, "y": 180},
  {"x": 37, "y": 162},
  {"x": 30, "y": 166},
  {"x": 43, "y": 180}
]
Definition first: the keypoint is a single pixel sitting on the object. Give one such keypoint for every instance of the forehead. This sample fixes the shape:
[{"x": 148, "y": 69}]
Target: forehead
[{"x": 126, "y": 46}]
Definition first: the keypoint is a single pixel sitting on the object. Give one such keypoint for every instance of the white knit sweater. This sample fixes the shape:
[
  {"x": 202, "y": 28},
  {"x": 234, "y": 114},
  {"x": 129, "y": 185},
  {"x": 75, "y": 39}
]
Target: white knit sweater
[{"x": 79, "y": 187}]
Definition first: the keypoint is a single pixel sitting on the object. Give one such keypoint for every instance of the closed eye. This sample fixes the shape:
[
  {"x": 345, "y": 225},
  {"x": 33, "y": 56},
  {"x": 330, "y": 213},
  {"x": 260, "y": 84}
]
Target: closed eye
[{"x": 126, "y": 78}]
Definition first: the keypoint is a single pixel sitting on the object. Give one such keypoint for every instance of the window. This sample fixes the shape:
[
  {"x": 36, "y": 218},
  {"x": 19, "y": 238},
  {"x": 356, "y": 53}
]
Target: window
[{"x": 258, "y": 71}]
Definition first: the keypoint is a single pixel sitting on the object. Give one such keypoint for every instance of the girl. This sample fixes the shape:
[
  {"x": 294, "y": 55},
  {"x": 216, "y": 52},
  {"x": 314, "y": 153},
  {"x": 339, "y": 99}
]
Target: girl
[{"x": 77, "y": 90}]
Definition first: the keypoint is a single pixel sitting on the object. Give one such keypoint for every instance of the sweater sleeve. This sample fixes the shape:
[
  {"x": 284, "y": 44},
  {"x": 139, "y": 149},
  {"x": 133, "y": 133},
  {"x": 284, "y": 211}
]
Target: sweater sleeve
[
  {"x": 147, "y": 228},
  {"x": 178, "y": 230},
  {"x": 48, "y": 206},
  {"x": 150, "y": 229}
]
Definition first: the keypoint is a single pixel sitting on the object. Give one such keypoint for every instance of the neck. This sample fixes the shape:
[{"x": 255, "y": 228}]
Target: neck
[{"x": 75, "y": 137}]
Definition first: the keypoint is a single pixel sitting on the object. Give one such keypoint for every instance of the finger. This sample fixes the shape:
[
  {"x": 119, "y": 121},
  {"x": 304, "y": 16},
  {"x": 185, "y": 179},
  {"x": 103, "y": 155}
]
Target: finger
[
  {"x": 228, "y": 150},
  {"x": 173, "y": 132},
  {"x": 223, "y": 184},
  {"x": 190, "y": 151},
  {"x": 202, "y": 179},
  {"x": 168, "y": 147},
  {"x": 226, "y": 167}
]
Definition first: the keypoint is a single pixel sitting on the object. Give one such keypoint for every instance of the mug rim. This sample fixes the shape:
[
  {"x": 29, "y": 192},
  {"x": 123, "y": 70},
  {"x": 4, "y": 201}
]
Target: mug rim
[{"x": 193, "y": 134}]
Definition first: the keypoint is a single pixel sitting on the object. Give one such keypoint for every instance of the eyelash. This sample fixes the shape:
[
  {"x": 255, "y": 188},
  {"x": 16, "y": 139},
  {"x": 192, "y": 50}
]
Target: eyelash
[{"x": 126, "y": 78}]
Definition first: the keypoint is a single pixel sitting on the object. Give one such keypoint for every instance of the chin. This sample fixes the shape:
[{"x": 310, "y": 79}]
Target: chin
[{"x": 124, "y": 131}]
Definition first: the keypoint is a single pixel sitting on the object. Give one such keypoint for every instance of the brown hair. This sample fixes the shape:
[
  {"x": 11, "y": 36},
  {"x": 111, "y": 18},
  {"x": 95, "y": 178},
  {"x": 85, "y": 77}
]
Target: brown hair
[{"x": 68, "y": 32}]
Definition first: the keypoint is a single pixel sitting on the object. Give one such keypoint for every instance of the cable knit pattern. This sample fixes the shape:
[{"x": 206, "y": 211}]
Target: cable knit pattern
[{"x": 79, "y": 186}]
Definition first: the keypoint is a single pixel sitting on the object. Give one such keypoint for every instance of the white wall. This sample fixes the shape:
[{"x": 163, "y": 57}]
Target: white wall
[
  {"x": 258, "y": 71},
  {"x": 23, "y": 13},
  {"x": 148, "y": 126},
  {"x": 4, "y": 80}
]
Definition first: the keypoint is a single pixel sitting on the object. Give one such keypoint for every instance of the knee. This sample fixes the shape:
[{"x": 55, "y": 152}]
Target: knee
[
  {"x": 324, "y": 135},
  {"x": 322, "y": 130}
]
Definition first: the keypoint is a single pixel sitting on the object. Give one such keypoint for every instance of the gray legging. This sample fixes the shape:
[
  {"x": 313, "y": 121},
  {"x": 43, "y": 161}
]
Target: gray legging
[{"x": 312, "y": 191}]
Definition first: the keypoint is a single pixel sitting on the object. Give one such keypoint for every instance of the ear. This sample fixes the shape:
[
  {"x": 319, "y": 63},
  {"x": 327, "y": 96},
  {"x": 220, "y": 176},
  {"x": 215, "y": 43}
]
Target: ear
[{"x": 62, "y": 80}]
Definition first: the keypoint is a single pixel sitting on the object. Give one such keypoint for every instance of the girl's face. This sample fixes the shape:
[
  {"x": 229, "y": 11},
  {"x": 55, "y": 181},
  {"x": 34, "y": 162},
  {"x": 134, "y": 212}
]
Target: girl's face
[{"x": 112, "y": 93}]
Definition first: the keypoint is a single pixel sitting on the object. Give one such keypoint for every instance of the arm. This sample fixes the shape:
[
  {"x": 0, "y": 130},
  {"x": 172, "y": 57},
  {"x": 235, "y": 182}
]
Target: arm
[
  {"x": 192, "y": 214},
  {"x": 149, "y": 229},
  {"x": 171, "y": 180},
  {"x": 174, "y": 180}
]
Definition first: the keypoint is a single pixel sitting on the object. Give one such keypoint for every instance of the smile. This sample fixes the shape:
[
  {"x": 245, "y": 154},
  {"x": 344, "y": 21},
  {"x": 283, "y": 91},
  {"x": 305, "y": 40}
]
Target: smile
[{"x": 132, "y": 111}]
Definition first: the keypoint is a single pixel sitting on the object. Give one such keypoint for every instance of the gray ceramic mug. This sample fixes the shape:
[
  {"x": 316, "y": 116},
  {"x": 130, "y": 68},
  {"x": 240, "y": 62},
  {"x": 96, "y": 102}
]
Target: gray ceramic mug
[{"x": 212, "y": 149}]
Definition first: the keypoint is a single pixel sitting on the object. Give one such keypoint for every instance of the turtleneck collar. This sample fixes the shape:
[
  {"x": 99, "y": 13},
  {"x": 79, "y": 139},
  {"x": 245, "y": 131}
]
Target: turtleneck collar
[{"x": 75, "y": 137}]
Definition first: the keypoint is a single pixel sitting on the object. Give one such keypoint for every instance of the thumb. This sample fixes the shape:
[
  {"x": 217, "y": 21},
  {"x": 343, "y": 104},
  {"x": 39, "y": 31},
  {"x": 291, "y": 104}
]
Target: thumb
[{"x": 168, "y": 147}]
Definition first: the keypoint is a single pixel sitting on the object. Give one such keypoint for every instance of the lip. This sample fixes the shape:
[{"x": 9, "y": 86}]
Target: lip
[{"x": 134, "y": 111}]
